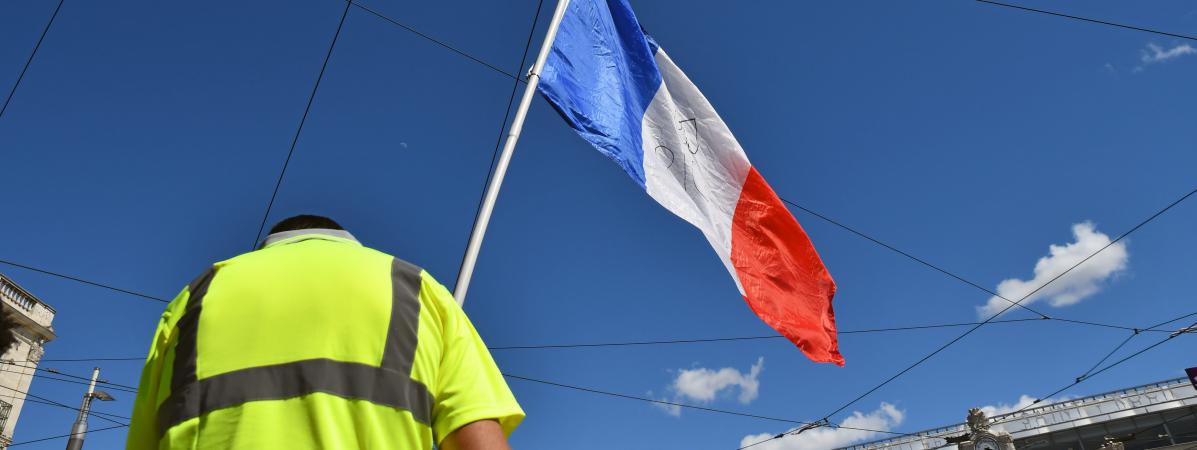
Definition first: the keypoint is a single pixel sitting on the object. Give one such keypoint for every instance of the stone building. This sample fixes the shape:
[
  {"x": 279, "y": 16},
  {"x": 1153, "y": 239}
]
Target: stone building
[
  {"x": 16, "y": 373},
  {"x": 1156, "y": 416}
]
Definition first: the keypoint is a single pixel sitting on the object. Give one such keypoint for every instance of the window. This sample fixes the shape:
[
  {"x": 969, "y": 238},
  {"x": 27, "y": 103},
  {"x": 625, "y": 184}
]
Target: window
[{"x": 5, "y": 409}]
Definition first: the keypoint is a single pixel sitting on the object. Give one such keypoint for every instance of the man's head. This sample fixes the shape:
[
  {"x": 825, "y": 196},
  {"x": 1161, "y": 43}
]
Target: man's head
[{"x": 305, "y": 222}]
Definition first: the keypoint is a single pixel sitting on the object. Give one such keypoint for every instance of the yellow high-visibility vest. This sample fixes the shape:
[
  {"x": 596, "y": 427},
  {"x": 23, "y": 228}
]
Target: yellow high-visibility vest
[{"x": 315, "y": 342}]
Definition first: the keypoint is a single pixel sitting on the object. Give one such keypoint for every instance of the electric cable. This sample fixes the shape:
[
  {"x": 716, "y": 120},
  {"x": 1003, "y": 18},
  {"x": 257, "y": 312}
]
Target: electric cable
[
  {"x": 680, "y": 405},
  {"x": 302, "y": 120},
  {"x": 64, "y": 374},
  {"x": 907, "y": 255},
  {"x": 80, "y": 280},
  {"x": 54, "y": 403},
  {"x": 1085, "y": 19},
  {"x": 671, "y": 341},
  {"x": 1007, "y": 308},
  {"x": 67, "y": 435},
  {"x": 437, "y": 41},
  {"x": 84, "y": 383},
  {"x": 1080, "y": 380},
  {"x": 91, "y": 412},
  {"x": 490, "y": 168},
  {"x": 29, "y": 61}
]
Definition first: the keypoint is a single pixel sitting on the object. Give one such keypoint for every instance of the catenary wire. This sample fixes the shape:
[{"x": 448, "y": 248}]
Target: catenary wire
[
  {"x": 437, "y": 41},
  {"x": 1085, "y": 19},
  {"x": 514, "y": 89},
  {"x": 666, "y": 342},
  {"x": 29, "y": 61},
  {"x": 83, "y": 383},
  {"x": 812, "y": 212},
  {"x": 97, "y": 430},
  {"x": 1078, "y": 419},
  {"x": 906, "y": 254},
  {"x": 885, "y": 245},
  {"x": 54, "y": 403},
  {"x": 302, "y": 120},
  {"x": 503, "y": 124},
  {"x": 658, "y": 342},
  {"x": 751, "y": 338},
  {"x": 680, "y": 405},
  {"x": 80, "y": 280},
  {"x": 1080, "y": 380},
  {"x": 64, "y": 374},
  {"x": 1007, "y": 308},
  {"x": 1108, "y": 355},
  {"x": 91, "y": 412}
]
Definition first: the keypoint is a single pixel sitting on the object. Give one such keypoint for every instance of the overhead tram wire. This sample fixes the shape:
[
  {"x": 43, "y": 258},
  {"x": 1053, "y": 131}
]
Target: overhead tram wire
[
  {"x": 440, "y": 42},
  {"x": 302, "y": 120},
  {"x": 1092, "y": 373},
  {"x": 97, "y": 430},
  {"x": 1007, "y": 308},
  {"x": 908, "y": 255},
  {"x": 795, "y": 204},
  {"x": 750, "y": 338},
  {"x": 490, "y": 168},
  {"x": 91, "y": 412},
  {"x": 1086, "y": 19},
  {"x": 29, "y": 61},
  {"x": 83, "y": 383},
  {"x": 64, "y": 374},
  {"x": 54, "y": 403},
  {"x": 680, "y": 405},
  {"x": 80, "y": 280},
  {"x": 672, "y": 341},
  {"x": 130, "y": 358},
  {"x": 810, "y": 211}
]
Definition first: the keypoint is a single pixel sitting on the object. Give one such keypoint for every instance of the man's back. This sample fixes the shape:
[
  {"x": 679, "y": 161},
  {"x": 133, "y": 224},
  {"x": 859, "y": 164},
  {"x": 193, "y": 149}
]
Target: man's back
[{"x": 315, "y": 342}]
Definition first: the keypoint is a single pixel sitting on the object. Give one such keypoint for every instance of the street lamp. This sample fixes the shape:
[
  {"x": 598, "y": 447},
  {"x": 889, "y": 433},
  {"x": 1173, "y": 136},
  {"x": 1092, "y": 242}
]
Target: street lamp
[{"x": 79, "y": 429}]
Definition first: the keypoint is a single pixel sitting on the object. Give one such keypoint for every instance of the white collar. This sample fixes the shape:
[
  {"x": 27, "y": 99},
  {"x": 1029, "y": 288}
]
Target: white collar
[{"x": 282, "y": 235}]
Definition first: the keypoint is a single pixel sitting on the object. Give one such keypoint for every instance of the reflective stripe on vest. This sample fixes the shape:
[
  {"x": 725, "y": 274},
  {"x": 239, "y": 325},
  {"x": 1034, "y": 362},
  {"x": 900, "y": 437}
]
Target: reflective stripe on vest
[{"x": 388, "y": 385}]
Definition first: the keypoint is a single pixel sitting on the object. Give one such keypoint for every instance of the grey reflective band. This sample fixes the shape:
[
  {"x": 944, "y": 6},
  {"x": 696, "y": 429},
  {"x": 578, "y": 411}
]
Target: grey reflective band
[
  {"x": 389, "y": 385},
  {"x": 275, "y": 237},
  {"x": 403, "y": 333},
  {"x": 188, "y": 324},
  {"x": 352, "y": 381}
]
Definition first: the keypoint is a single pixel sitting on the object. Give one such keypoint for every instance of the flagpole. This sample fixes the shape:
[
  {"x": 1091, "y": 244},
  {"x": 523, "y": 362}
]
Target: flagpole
[{"x": 513, "y": 136}]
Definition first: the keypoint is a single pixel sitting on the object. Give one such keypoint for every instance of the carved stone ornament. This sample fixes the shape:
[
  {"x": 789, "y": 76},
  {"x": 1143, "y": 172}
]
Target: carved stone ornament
[{"x": 977, "y": 422}]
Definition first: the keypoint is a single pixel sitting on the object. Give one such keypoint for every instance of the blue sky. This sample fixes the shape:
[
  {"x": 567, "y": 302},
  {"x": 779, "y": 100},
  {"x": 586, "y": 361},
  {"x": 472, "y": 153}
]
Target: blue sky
[{"x": 145, "y": 140}]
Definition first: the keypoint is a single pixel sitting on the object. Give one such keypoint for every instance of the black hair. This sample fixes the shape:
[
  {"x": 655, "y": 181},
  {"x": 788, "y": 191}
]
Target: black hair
[{"x": 305, "y": 222}]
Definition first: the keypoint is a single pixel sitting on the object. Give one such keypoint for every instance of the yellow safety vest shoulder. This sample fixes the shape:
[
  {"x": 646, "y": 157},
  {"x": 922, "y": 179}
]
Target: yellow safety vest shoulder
[{"x": 315, "y": 342}]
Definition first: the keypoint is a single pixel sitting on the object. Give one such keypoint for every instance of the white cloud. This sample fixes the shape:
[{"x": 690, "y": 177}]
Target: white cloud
[
  {"x": 884, "y": 418},
  {"x": 1080, "y": 283},
  {"x": 703, "y": 385},
  {"x": 1002, "y": 408},
  {"x": 1155, "y": 54}
]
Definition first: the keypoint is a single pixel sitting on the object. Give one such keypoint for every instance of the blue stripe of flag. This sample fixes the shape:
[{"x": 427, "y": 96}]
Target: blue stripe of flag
[{"x": 601, "y": 76}]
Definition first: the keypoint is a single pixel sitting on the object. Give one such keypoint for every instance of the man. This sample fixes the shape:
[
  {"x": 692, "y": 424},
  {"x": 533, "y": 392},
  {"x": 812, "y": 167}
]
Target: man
[{"x": 316, "y": 342}]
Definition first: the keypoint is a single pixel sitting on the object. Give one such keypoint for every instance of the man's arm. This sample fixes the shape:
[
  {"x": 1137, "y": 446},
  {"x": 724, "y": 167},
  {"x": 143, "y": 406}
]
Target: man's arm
[{"x": 480, "y": 435}]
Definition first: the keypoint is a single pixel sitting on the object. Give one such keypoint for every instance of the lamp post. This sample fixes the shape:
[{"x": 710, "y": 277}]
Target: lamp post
[{"x": 79, "y": 429}]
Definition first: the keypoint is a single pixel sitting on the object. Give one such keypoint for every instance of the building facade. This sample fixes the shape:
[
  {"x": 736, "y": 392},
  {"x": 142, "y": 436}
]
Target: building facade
[
  {"x": 34, "y": 330},
  {"x": 1159, "y": 415}
]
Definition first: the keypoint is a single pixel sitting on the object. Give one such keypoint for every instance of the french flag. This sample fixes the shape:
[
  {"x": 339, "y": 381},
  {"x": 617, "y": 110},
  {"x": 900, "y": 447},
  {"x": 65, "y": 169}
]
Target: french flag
[{"x": 622, "y": 93}]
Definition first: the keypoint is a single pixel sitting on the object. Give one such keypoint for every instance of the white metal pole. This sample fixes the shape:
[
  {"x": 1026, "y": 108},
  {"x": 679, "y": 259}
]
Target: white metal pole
[
  {"x": 513, "y": 136},
  {"x": 79, "y": 429}
]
